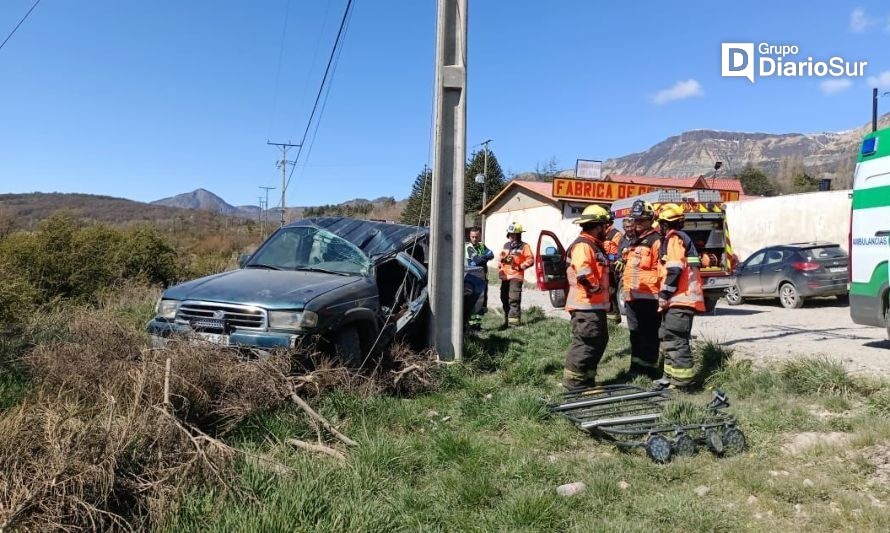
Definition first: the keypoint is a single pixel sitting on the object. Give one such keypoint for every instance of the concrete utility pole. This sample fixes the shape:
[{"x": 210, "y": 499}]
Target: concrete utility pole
[
  {"x": 450, "y": 154},
  {"x": 484, "y": 189},
  {"x": 264, "y": 208},
  {"x": 283, "y": 164}
]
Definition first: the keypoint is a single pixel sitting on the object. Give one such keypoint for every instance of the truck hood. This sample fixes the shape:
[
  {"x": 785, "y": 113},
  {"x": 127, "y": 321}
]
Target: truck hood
[{"x": 271, "y": 289}]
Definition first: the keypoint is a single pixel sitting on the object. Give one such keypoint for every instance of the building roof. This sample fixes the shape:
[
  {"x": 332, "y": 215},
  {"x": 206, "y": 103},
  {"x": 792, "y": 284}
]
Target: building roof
[{"x": 542, "y": 189}]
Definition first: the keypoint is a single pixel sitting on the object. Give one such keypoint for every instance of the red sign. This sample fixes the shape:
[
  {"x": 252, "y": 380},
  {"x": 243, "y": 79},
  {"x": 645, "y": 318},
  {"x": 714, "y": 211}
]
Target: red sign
[{"x": 609, "y": 191}]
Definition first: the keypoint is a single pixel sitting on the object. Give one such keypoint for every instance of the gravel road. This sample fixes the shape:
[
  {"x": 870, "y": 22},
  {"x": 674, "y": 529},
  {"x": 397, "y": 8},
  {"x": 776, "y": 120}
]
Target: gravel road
[{"x": 766, "y": 332}]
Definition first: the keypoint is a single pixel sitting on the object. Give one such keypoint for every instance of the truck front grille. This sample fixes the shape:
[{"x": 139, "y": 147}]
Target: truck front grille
[{"x": 216, "y": 317}]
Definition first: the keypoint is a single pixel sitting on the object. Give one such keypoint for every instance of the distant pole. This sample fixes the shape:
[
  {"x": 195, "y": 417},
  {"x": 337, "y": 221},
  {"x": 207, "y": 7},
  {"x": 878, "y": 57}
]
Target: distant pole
[
  {"x": 484, "y": 189},
  {"x": 259, "y": 214},
  {"x": 283, "y": 163},
  {"x": 874, "y": 109},
  {"x": 450, "y": 154},
  {"x": 264, "y": 208}
]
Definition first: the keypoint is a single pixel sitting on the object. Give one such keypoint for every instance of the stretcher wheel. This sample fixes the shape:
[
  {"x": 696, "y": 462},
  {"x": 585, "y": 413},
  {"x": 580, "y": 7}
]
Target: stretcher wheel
[
  {"x": 735, "y": 441},
  {"x": 714, "y": 442},
  {"x": 684, "y": 445},
  {"x": 658, "y": 449}
]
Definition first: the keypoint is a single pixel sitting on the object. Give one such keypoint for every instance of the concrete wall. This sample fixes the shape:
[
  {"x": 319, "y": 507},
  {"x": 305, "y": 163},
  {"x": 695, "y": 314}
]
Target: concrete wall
[{"x": 815, "y": 216}]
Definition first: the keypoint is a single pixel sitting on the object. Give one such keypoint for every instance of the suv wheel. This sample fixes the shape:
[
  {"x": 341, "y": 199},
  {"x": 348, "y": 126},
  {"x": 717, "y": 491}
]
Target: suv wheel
[
  {"x": 789, "y": 297},
  {"x": 348, "y": 346},
  {"x": 734, "y": 295}
]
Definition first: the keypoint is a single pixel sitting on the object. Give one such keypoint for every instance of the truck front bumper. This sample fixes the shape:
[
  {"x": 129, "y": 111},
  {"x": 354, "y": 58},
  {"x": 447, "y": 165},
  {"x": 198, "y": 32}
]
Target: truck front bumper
[{"x": 161, "y": 331}]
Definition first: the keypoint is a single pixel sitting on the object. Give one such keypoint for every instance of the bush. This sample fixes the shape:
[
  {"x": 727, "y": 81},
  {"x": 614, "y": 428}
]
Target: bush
[
  {"x": 18, "y": 297},
  {"x": 819, "y": 375}
]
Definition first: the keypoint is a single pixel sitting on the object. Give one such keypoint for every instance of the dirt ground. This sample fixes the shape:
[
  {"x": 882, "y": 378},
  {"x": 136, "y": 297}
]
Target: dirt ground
[{"x": 766, "y": 332}]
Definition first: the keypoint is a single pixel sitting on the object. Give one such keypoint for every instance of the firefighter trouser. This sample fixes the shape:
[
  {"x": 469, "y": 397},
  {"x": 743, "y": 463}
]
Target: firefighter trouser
[
  {"x": 676, "y": 328},
  {"x": 643, "y": 321},
  {"x": 590, "y": 335},
  {"x": 511, "y": 300}
]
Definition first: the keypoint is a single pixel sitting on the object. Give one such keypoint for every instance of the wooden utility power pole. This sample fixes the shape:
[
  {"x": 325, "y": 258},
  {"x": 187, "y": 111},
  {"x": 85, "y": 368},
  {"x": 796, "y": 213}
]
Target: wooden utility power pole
[
  {"x": 447, "y": 213},
  {"x": 264, "y": 210},
  {"x": 283, "y": 164}
]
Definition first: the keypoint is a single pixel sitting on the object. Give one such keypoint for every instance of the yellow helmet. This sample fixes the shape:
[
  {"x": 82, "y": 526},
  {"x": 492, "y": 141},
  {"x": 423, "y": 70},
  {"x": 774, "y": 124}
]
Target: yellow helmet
[
  {"x": 670, "y": 213},
  {"x": 594, "y": 213},
  {"x": 515, "y": 227}
]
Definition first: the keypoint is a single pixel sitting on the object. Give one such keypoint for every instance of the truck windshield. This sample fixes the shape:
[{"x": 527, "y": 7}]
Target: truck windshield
[{"x": 310, "y": 248}]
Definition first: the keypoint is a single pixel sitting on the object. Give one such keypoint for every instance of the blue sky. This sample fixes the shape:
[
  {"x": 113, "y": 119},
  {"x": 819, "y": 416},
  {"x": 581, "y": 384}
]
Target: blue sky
[{"x": 144, "y": 100}]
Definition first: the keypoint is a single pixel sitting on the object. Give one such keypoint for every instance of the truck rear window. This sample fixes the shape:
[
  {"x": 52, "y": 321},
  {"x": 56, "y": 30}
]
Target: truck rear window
[{"x": 826, "y": 252}]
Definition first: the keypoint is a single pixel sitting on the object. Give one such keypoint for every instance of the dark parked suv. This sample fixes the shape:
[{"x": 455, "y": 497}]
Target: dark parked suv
[
  {"x": 792, "y": 273},
  {"x": 353, "y": 284}
]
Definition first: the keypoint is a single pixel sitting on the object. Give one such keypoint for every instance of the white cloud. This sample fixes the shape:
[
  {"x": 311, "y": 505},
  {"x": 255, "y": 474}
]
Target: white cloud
[
  {"x": 859, "y": 21},
  {"x": 881, "y": 81},
  {"x": 835, "y": 86},
  {"x": 680, "y": 91}
]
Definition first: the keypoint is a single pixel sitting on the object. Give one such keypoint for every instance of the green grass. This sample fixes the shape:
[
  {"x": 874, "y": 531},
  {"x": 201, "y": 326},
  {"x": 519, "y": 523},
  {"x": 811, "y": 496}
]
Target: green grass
[{"x": 482, "y": 454}]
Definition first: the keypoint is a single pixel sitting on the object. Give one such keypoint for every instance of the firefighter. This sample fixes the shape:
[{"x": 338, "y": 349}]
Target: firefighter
[
  {"x": 515, "y": 257},
  {"x": 477, "y": 254},
  {"x": 679, "y": 297},
  {"x": 640, "y": 287},
  {"x": 611, "y": 243},
  {"x": 588, "y": 299}
]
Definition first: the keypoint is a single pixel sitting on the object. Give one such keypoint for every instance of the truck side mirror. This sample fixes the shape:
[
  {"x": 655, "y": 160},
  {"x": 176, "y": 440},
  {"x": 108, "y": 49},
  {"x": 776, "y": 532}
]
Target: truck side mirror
[{"x": 243, "y": 259}]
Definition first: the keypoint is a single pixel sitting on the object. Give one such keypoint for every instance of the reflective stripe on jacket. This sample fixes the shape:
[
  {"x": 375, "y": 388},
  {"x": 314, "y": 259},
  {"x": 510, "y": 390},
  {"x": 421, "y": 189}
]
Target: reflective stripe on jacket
[
  {"x": 641, "y": 279},
  {"x": 522, "y": 259},
  {"x": 680, "y": 275},
  {"x": 588, "y": 274}
]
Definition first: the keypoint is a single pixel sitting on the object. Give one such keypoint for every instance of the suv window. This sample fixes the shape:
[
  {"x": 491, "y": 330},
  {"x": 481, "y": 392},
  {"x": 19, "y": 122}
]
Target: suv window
[
  {"x": 311, "y": 247},
  {"x": 773, "y": 257},
  {"x": 755, "y": 260},
  {"x": 825, "y": 252}
]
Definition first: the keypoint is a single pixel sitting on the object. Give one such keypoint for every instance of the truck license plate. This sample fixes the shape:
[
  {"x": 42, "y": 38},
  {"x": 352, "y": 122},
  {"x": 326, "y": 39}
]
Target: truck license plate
[{"x": 215, "y": 338}]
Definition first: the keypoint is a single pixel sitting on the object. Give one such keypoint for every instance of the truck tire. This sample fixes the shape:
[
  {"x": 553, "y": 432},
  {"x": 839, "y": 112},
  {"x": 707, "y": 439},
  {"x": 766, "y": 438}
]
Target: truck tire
[
  {"x": 789, "y": 297},
  {"x": 558, "y": 298},
  {"x": 348, "y": 346}
]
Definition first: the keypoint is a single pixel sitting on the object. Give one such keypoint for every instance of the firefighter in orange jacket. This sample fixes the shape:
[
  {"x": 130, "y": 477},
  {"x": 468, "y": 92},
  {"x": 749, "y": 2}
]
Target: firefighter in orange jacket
[
  {"x": 611, "y": 244},
  {"x": 588, "y": 299},
  {"x": 640, "y": 284},
  {"x": 515, "y": 257},
  {"x": 680, "y": 296}
]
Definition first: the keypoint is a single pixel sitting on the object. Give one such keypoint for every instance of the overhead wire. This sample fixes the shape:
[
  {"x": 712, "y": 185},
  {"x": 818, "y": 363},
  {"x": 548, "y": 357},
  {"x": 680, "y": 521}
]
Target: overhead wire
[
  {"x": 8, "y": 37},
  {"x": 278, "y": 69},
  {"x": 341, "y": 35}
]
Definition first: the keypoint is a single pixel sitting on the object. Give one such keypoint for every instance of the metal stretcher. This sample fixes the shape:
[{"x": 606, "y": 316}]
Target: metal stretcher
[{"x": 633, "y": 417}]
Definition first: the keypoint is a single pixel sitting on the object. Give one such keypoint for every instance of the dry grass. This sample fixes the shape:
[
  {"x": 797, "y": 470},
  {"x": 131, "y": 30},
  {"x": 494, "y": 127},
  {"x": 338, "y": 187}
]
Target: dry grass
[{"x": 109, "y": 438}]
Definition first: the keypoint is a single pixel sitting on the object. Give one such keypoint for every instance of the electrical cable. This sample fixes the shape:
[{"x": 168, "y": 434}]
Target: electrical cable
[{"x": 17, "y": 25}]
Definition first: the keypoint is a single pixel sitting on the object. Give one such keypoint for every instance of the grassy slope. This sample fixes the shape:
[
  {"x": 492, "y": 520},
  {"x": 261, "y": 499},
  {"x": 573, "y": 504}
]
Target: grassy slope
[{"x": 483, "y": 454}]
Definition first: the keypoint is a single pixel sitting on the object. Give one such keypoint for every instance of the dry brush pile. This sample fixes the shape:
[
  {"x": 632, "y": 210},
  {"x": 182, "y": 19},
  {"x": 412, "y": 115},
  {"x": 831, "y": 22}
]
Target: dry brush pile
[{"x": 114, "y": 433}]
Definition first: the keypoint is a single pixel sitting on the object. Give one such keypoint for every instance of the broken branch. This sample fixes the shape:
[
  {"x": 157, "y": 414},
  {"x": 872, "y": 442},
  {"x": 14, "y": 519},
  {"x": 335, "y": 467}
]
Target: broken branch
[{"x": 318, "y": 448}]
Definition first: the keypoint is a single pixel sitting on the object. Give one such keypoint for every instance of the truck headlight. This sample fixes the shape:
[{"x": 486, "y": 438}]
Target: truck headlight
[
  {"x": 293, "y": 320},
  {"x": 167, "y": 308}
]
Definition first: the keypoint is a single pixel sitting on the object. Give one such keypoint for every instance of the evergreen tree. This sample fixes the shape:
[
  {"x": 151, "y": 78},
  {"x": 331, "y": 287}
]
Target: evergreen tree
[
  {"x": 417, "y": 210},
  {"x": 755, "y": 182},
  {"x": 494, "y": 180},
  {"x": 803, "y": 182}
]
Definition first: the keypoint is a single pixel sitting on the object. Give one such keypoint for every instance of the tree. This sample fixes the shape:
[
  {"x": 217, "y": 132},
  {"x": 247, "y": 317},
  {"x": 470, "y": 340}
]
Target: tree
[
  {"x": 494, "y": 180},
  {"x": 417, "y": 210},
  {"x": 755, "y": 182},
  {"x": 803, "y": 182},
  {"x": 548, "y": 170}
]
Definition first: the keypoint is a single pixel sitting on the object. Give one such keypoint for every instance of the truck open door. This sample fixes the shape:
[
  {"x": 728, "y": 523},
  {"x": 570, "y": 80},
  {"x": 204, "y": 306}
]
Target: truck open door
[{"x": 550, "y": 268}]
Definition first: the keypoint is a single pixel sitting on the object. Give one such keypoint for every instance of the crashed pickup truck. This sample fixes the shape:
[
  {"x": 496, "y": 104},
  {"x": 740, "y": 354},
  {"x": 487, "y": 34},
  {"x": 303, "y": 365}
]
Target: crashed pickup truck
[{"x": 354, "y": 285}]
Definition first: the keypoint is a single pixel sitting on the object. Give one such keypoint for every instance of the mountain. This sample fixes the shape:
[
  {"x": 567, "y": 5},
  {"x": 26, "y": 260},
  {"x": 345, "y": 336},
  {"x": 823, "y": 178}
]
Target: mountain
[
  {"x": 829, "y": 154},
  {"x": 28, "y": 209},
  {"x": 201, "y": 199}
]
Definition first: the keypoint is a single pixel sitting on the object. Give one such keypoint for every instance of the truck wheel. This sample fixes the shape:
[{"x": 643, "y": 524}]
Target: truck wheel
[
  {"x": 558, "y": 298},
  {"x": 348, "y": 346},
  {"x": 789, "y": 297},
  {"x": 734, "y": 295}
]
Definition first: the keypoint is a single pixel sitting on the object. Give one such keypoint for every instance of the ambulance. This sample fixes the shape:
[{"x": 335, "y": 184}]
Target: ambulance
[{"x": 870, "y": 233}]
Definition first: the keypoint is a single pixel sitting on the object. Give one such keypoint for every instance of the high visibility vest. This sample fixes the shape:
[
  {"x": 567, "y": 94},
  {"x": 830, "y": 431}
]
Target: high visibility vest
[
  {"x": 678, "y": 251},
  {"x": 522, "y": 259},
  {"x": 588, "y": 275},
  {"x": 641, "y": 278},
  {"x": 611, "y": 242}
]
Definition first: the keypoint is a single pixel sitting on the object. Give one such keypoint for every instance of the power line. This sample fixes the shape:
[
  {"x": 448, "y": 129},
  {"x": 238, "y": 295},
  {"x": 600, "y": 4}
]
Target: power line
[
  {"x": 337, "y": 42},
  {"x": 17, "y": 25},
  {"x": 278, "y": 69}
]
